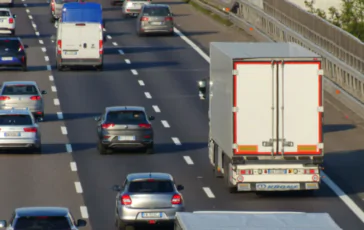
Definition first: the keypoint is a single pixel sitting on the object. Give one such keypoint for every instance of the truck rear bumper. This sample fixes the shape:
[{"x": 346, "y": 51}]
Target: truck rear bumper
[
  {"x": 278, "y": 186},
  {"x": 80, "y": 62}
]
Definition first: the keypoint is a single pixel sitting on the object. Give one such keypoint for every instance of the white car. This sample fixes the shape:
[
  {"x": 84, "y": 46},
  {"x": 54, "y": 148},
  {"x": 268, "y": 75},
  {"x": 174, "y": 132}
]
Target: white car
[{"x": 7, "y": 21}]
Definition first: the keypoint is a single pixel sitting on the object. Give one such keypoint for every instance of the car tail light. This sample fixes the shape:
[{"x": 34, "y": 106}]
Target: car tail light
[
  {"x": 101, "y": 47},
  {"x": 168, "y": 19},
  {"x": 106, "y": 137},
  {"x": 35, "y": 98},
  {"x": 147, "y": 136},
  {"x": 125, "y": 200},
  {"x": 144, "y": 19},
  {"x": 53, "y": 6},
  {"x": 145, "y": 126},
  {"x": 4, "y": 98},
  {"x": 59, "y": 46},
  {"x": 21, "y": 48},
  {"x": 30, "y": 130},
  {"x": 107, "y": 125},
  {"x": 11, "y": 20},
  {"x": 176, "y": 199}
]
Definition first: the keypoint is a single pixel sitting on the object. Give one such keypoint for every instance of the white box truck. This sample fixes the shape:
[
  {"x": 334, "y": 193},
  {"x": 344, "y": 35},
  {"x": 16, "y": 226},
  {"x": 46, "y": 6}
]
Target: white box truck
[
  {"x": 223, "y": 220},
  {"x": 265, "y": 116}
]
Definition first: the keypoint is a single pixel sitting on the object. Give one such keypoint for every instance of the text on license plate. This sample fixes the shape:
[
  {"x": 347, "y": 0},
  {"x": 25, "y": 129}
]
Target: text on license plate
[
  {"x": 152, "y": 215},
  {"x": 126, "y": 138},
  {"x": 70, "y": 52},
  {"x": 156, "y": 23},
  {"x": 7, "y": 58},
  {"x": 277, "y": 171},
  {"x": 12, "y": 134}
]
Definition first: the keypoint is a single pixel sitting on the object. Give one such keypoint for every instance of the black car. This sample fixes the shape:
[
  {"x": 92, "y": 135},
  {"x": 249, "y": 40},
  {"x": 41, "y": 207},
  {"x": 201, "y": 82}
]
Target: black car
[
  {"x": 52, "y": 218},
  {"x": 12, "y": 53}
]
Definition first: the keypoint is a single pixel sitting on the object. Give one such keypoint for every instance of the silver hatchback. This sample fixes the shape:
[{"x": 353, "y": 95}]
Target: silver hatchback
[
  {"x": 22, "y": 95},
  {"x": 19, "y": 130},
  {"x": 155, "y": 18},
  {"x": 133, "y": 7},
  {"x": 147, "y": 198}
]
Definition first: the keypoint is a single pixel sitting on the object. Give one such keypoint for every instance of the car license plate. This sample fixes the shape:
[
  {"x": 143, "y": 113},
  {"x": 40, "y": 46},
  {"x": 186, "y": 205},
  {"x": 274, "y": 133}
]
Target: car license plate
[
  {"x": 156, "y": 23},
  {"x": 152, "y": 215},
  {"x": 12, "y": 134},
  {"x": 7, "y": 58},
  {"x": 126, "y": 138},
  {"x": 70, "y": 52},
  {"x": 277, "y": 171}
]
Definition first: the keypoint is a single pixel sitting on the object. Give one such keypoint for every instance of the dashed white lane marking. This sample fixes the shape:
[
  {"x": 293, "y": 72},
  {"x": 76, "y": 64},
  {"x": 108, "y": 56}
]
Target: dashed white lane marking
[
  {"x": 64, "y": 130},
  {"x": 115, "y": 44},
  {"x": 60, "y": 115},
  {"x": 127, "y": 61},
  {"x": 34, "y": 26},
  {"x": 156, "y": 109},
  {"x": 73, "y": 166},
  {"x": 147, "y": 95},
  {"x": 103, "y": 29},
  {"x": 51, "y": 78},
  {"x": 27, "y": 10},
  {"x": 46, "y": 58},
  {"x": 41, "y": 42},
  {"x": 188, "y": 160},
  {"x": 37, "y": 33},
  {"x": 121, "y": 52},
  {"x": 49, "y": 67},
  {"x": 44, "y": 49},
  {"x": 56, "y": 101},
  {"x": 29, "y": 16},
  {"x": 165, "y": 124},
  {"x": 78, "y": 187},
  {"x": 54, "y": 89},
  {"x": 133, "y": 71},
  {"x": 176, "y": 141},
  {"x": 141, "y": 82},
  {"x": 208, "y": 192},
  {"x": 108, "y": 37},
  {"x": 84, "y": 212},
  {"x": 69, "y": 148}
]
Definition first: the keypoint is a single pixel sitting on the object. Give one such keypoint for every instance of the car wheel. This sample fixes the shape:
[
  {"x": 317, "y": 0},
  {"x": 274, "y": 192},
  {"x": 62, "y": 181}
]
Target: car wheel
[
  {"x": 150, "y": 150},
  {"x": 12, "y": 33},
  {"x": 37, "y": 150},
  {"x": 171, "y": 33},
  {"x": 102, "y": 149},
  {"x": 24, "y": 68},
  {"x": 119, "y": 224},
  {"x": 99, "y": 67},
  {"x": 59, "y": 67}
]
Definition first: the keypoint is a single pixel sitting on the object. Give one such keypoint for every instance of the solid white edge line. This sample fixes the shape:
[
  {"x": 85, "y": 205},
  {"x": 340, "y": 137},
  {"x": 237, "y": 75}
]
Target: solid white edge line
[
  {"x": 334, "y": 187},
  {"x": 51, "y": 78},
  {"x": 133, "y": 71},
  {"x": 78, "y": 187},
  {"x": 64, "y": 130},
  {"x": 147, "y": 95},
  {"x": 127, "y": 61},
  {"x": 208, "y": 192},
  {"x": 54, "y": 89},
  {"x": 73, "y": 166},
  {"x": 60, "y": 115},
  {"x": 56, "y": 101},
  {"x": 176, "y": 141},
  {"x": 69, "y": 148},
  {"x": 188, "y": 160},
  {"x": 165, "y": 124},
  {"x": 141, "y": 82},
  {"x": 84, "y": 212},
  {"x": 156, "y": 108}
]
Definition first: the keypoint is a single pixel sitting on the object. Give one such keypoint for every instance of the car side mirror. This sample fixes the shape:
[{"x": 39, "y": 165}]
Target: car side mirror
[
  {"x": 116, "y": 188},
  {"x": 44, "y": 92},
  {"x": 26, "y": 46},
  {"x": 202, "y": 89},
  {"x": 3, "y": 224},
  {"x": 81, "y": 223},
  {"x": 14, "y": 15},
  {"x": 98, "y": 118},
  {"x": 180, "y": 187},
  {"x": 53, "y": 38},
  {"x": 151, "y": 118}
]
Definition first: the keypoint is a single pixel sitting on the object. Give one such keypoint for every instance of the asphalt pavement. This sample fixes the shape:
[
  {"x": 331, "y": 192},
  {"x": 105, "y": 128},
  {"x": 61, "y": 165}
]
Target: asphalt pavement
[{"x": 156, "y": 72}]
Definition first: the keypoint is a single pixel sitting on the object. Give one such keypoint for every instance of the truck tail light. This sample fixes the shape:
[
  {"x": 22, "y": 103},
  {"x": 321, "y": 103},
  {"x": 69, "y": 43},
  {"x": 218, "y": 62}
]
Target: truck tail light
[{"x": 59, "y": 46}]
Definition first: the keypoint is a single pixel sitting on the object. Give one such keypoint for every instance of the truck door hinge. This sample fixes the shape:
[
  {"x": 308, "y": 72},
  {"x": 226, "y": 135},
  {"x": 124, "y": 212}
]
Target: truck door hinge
[
  {"x": 235, "y": 109},
  {"x": 320, "y": 145},
  {"x": 320, "y": 109},
  {"x": 320, "y": 72},
  {"x": 235, "y": 72},
  {"x": 235, "y": 146}
]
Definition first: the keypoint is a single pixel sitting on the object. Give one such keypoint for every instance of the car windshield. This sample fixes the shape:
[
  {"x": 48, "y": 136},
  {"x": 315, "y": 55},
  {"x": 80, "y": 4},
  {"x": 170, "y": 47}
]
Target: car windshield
[
  {"x": 20, "y": 90},
  {"x": 151, "y": 186},
  {"x": 15, "y": 119},
  {"x": 12, "y": 45},
  {"x": 126, "y": 117},
  {"x": 4, "y": 13},
  {"x": 42, "y": 222},
  {"x": 156, "y": 11}
]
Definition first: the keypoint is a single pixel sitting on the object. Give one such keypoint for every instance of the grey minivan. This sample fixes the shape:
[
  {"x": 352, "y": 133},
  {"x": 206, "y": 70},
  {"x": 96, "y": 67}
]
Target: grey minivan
[{"x": 155, "y": 18}]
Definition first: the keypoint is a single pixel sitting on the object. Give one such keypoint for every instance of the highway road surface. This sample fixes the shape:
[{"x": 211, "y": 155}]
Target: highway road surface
[{"x": 160, "y": 74}]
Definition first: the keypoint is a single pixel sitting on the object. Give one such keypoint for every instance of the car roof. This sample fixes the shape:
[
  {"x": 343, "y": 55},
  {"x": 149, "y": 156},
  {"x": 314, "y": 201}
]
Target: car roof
[
  {"x": 41, "y": 211},
  {"x": 19, "y": 83},
  {"x": 82, "y": 5},
  {"x": 14, "y": 111},
  {"x": 149, "y": 175},
  {"x": 125, "y": 108}
]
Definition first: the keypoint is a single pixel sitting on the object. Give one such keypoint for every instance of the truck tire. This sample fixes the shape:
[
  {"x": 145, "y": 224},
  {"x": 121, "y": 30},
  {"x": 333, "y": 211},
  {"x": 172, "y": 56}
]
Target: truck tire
[{"x": 231, "y": 188}]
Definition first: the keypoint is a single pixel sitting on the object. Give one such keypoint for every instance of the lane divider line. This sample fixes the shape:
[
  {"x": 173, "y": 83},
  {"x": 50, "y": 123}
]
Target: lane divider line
[
  {"x": 60, "y": 115},
  {"x": 37, "y": 33},
  {"x": 188, "y": 160},
  {"x": 156, "y": 108},
  {"x": 147, "y": 95},
  {"x": 56, "y": 101},
  {"x": 54, "y": 89},
  {"x": 165, "y": 124},
  {"x": 46, "y": 58},
  {"x": 208, "y": 192},
  {"x": 27, "y": 10},
  {"x": 127, "y": 61},
  {"x": 141, "y": 82},
  {"x": 41, "y": 42},
  {"x": 69, "y": 148},
  {"x": 176, "y": 141},
  {"x": 115, "y": 44},
  {"x": 109, "y": 37},
  {"x": 51, "y": 78},
  {"x": 73, "y": 166},
  {"x": 64, "y": 130},
  {"x": 44, "y": 49},
  {"x": 134, "y": 72},
  {"x": 34, "y": 26},
  {"x": 84, "y": 212},
  {"x": 121, "y": 52},
  {"x": 78, "y": 187},
  {"x": 29, "y": 16}
]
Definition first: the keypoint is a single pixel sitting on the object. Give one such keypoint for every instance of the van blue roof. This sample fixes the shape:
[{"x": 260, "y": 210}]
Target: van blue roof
[
  {"x": 83, "y": 5},
  {"x": 82, "y": 12}
]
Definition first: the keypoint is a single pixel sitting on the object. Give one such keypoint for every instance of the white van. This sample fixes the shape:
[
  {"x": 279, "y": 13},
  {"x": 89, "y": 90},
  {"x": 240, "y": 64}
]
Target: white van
[{"x": 79, "y": 44}]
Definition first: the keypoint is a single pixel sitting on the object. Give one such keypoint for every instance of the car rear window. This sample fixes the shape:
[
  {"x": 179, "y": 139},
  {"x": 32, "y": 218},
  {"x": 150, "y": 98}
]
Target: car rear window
[
  {"x": 20, "y": 90},
  {"x": 126, "y": 117},
  {"x": 4, "y": 13},
  {"x": 42, "y": 222},
  {"x": 156, "y": 11},
  {"x": 9, "y": 44},
  {"x": 155, "y": 186},
  {"x": 15, "y": 119}
]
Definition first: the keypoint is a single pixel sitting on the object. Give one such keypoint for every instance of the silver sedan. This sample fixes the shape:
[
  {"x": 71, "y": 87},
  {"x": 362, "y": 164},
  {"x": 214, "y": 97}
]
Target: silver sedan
[{"x": 155, "y": 18}]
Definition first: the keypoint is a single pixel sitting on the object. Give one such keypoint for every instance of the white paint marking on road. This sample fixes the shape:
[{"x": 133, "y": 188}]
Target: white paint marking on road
[
  {"x": 44, "y": 49},
  {"x": 46, "y": 58},
  {"x": 69, "y": 148},
  {"x": 188, "y": 160},
  {"x": 208, "y": 192},
  {"x": 84, "y": 212},
  {"x": 109, "y": 37},
  {"x": 73, "y": 166},
  {"x": 133, "y": 71},
  {"x": 147, "y": 95},
  {"x": 64, "y": 130},
  {"x": 49, "y": 67},
  {"x": 60, "y": 115},
  {"x": 141, "y": 82},
  {"x": 56, "y": 101},
  {"x": 78, "y": 187},
  {"x": 34, "y": 26},
  {"x": 156, "y": 109},
  {"x": 176, "y": 141},
  {"x": 103, "y": 29},
  {"x": 127, "y": 61},
  {"x": 54, "y": 89},
  {"x": 165, "y": 124},
  {"x": 29, "y": 16},
  {"x": 51, "y": 78},
  {"x": 115, "y": 44},
  {"x": 37, "y": 33},
  {"x": 27, "y": 10},
  {"x": 121, "y": 52},
  {"x": 41, "y": 42}
]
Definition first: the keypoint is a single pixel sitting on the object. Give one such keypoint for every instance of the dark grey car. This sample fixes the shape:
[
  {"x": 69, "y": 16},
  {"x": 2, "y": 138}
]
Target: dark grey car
[
  {"x": 124, "y": 127},
  {"x": 155, "y": 18}
]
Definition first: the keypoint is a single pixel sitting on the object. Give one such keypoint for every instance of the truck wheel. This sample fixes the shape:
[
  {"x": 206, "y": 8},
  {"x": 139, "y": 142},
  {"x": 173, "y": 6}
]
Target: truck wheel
[
  {"x": 231, "y": 188},
  {"x": 59, "y": 67},
  {"x": 100, "y": 67}
]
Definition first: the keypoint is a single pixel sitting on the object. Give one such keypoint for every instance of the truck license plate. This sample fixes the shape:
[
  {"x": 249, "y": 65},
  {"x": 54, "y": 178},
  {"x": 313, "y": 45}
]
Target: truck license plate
[
  {"x": 152, "y": 215},
  {"x": 12, "y": 134},
  {"x": 277, "y": 171}
]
